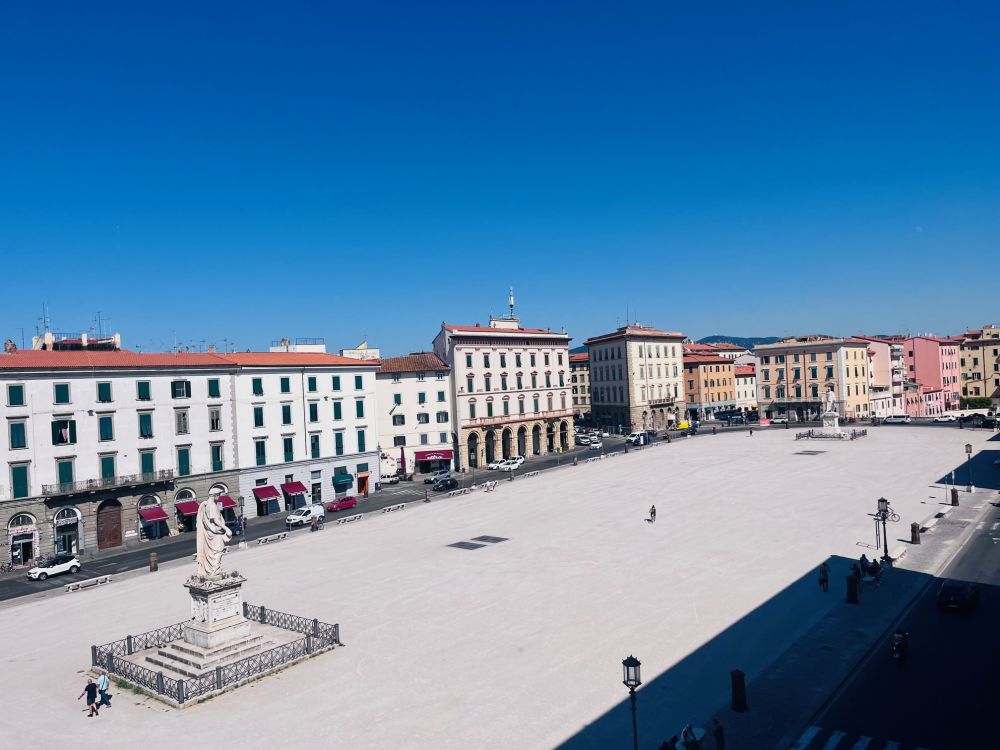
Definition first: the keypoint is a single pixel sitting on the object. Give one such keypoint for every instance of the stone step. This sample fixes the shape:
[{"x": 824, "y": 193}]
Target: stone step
[
  {"x": 191, "y": 666},
  {"x": 200, "y": 653}
]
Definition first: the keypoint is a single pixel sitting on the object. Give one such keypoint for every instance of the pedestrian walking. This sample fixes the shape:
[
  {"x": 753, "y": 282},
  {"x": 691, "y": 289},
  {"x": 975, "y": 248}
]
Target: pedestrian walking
[
  {"x": 864, "y": 564},
  {"x": 824, "y": 576},
  {"x": 652, "y": 514},
  {"x": 715, "y": 729},
  {"x": 670, "y": 744},
  {"x": 688, "y": 740},
  {"x": 103, "y": 683},
  {"x": 90, "y": 690},
  {"x": 856, "y": 572},
  {"x": 751, "y": 432}
]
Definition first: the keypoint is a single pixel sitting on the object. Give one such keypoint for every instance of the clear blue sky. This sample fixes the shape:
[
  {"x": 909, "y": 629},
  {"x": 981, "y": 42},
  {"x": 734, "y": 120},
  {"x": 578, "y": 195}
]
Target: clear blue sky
[{"x": 252, "y": 170}]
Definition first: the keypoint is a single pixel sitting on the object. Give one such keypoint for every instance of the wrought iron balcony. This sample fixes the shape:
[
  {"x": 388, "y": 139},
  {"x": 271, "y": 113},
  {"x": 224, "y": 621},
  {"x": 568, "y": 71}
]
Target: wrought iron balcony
[
  {"x": 654, "y": 403},
  {"x": 92, "y": 485}
]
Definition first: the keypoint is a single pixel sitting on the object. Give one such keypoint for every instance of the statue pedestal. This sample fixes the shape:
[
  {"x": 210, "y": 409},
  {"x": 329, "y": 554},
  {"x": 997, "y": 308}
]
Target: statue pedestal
[
  {"x": 831, "y": 426},
  {"x": 216, "y": 611}
]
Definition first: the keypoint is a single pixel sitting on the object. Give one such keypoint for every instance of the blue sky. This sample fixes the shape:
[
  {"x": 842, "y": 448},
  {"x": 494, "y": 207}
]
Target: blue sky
[{"x": 367, "y": 170}]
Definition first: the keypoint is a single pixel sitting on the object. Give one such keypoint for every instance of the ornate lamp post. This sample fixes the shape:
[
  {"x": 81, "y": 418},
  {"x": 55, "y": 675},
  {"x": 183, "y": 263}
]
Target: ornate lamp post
[
  {"x": 631, "y": 666},
  {"x": 883, "y": 514},
  {"x": 968, "y": 465}
]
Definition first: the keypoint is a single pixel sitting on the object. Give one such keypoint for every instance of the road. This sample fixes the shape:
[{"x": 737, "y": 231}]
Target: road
[{"x": 944, "y": 697}]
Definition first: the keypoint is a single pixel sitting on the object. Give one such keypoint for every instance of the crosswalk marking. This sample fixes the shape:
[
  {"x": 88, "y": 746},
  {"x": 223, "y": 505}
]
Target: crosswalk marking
[
  {"x": 834, "y": 740},
  {"x": 819, "y": 738},
  {"x": 862, "y": 743},
  {"x": 806, "y": 738},
  {"x": 891, "y": 746}
]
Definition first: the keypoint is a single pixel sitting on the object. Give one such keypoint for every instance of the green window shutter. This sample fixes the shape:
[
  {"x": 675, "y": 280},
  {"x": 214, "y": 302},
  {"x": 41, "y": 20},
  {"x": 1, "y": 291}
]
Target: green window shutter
[
  {"x": 362, "y": 467},
  {"x": 183, "y": 461},
  {"x": 18, "y": 436},
  {"x": 336, "y": 382},
  {"x": 286, "y": 385},
  {"x": 145, "y": 425},
  {"x": 286, "y": 414},
  {"x": 312, "y": 383},
  {"x": 338, "y": 439},
  {"x": 216, "y": 458},
  {"x": 314, "y": 445},
  {"x": 15, "y": 395},
  {"x": 358, "y": 383},
  {"x": 489, "y": 408},
  {"x": 472, "y": 411},
  {"x": 258, "y": 386},
  {"x": 104, "y": 392},
  {"x": 19, "y": 481},
  {"x": 361, "y": 441},
  {"x": 107, "y": 467},
  {"x": 313, "y": 412},
  {"x": 106, "y": 428},
  {"x": 337, "y": 410},
  {"x": 213, "y": 388},
  {"x": 260, "y": 448},
  {"x": 289, "y": 455},
  {"x": 62, "y": 393},
  {"x": 142, "y": 389},
  {"x": 65, "y": 472},
  {"x": 147, "y": 461},
  {"x": 359, "y": 407},
  {"x": 258, "y": 416}
]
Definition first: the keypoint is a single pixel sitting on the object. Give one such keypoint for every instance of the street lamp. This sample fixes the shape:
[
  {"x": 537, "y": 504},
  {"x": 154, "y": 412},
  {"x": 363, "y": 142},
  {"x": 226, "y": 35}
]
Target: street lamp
[
  {"x": 882, "y": 515},
  {"x": 631, "y": 666},
  {"x": 968, "y": 465}
]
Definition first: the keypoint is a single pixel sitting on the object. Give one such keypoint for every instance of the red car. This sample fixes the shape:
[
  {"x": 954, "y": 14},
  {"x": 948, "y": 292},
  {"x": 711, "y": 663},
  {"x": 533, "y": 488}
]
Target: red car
[{"x": 343, "y": 503}]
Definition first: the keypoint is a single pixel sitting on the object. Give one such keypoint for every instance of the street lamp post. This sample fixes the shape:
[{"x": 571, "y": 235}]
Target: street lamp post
[
  {"x": 968, "y": 465},
  {"x": 883, "y": 514},
  {"x": 631, "y": 666}
]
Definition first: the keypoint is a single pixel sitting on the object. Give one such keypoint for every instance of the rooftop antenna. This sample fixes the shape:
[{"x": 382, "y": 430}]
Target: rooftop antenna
[
  {"x": 44, "y": 320},
  {"x": 510, "y": 301}
]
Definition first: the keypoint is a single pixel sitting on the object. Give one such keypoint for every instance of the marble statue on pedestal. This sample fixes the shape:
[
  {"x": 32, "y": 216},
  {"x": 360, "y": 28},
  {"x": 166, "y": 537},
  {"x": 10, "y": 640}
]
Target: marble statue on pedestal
[
  {"x": 211, "y": 535},
  {"x": 831, "y": 401}
]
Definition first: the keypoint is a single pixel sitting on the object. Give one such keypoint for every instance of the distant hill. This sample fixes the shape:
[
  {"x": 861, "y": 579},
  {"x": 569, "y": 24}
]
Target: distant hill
[
  {"x": 578, "y": 350},
  {"x": 747, "y": 341}
]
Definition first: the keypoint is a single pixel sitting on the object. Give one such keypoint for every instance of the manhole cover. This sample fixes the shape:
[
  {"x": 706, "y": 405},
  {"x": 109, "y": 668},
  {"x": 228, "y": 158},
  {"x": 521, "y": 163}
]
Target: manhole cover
[
  {"x": 466, "y": 545},
  {"x": 489, "y": 539}
]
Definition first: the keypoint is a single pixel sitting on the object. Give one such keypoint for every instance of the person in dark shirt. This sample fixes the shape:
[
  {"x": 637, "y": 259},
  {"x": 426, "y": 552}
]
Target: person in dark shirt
[{"x": 90, "y": 690}]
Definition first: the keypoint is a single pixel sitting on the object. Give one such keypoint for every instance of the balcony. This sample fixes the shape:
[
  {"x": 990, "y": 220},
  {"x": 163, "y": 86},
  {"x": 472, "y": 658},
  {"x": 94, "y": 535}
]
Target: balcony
[
  {"x": 498, "y": 420},
  {"x": 93, "y": 485},
  {"x": 655, "y": 403}
]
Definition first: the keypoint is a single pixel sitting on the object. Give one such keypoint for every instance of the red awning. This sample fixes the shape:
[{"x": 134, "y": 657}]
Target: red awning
[
  {"x": 265, "y": 493},
  {"x": 154, "y": 513},
  {"x": 293, "y": 488},
  {"x": 225, "y": 501},
  {"x": 440, "y": 455},
  {"x": 187, "y": 507}
]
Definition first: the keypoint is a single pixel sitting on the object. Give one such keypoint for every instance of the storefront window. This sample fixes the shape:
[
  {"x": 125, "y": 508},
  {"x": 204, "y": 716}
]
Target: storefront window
[{"x": 67, "y": 531}]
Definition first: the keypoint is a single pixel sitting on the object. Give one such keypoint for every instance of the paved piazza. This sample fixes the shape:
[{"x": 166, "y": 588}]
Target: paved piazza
[{"x": 518, "y": 643}]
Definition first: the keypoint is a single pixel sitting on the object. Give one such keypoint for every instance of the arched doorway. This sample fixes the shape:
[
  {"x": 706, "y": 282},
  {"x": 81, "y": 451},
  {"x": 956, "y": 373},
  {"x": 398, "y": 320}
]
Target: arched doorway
[
  {"x": 564, "y": 436},
  {"x": 491, "y": 446},
  {"x": 152, "y": 518},
  {"x": 550, "y": 438},
  {"x": 66, "y": 530},
  {"x": 536, "y": 439},
  {"x": 522, "y": 441},
  {"x": 473, "y": 447},
  {"x": 506, "y": 438},
  {"x": 109, "y": 524},
  {"x": 22, "y": 533},
  {"x": 185, "y": 510}
]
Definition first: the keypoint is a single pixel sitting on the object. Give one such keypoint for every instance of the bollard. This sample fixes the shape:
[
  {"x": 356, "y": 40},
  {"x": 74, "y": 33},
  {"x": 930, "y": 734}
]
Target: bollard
[
  {"x": 914, "y": 533},
  {"x": 154, "y": 562},
  {"x": 954, "y": 496},
  {"x": 739, "y": 686},
  {"x": 852, "y": 590},
  {"x": 713, "y": 429},
  {"x": 574, "y": 460}
]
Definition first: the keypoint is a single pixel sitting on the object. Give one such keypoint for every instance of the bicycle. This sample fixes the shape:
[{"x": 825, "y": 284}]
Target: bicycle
[{"x": 6, "y": 567}]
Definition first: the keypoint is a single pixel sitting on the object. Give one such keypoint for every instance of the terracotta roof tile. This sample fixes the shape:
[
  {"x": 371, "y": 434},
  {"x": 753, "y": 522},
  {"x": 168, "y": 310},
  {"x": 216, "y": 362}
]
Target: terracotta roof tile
[
  {"x": 511, "y": 331},
  {"x": 644, "y": 331},
  {"x": 704, "y": 359},
  {"x": 743, "y": 371},
  {"x": 415, "y": 362},
  {"x": 125, "y": 359},
  {"x": 295, "y": 359},
  {"x": 578, "y": 358}
]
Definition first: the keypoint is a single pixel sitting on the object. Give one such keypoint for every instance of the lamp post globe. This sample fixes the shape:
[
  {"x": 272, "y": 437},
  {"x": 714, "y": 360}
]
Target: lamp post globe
[
  {"x": 968, "y": 467},
  {"x": 632, "y": 681},
  {"x": 883, "y": 505}
]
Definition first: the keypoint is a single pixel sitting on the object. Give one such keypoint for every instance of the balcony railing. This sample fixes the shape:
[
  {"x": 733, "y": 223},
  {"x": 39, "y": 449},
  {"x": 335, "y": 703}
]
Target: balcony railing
[
  {"x": 498, "y": 419},
  {"x": 665, "y": 401},
  {"x": 90, "y": 485}
]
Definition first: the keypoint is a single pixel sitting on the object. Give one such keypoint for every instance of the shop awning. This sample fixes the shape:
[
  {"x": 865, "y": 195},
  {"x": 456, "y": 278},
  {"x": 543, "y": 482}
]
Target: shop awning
[
  {"x": 225, "y": 501},
  {"x": 343, "y": 479},
  {"x": 265, "y": 493},
  {"x": 156, "y": 513},
  {"x": 439, "y": 455},
  {"x": 293, "y": 488},
  {"x": 187, "y": 507}
]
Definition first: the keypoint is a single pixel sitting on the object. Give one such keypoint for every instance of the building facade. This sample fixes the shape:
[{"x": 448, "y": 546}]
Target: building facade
[
  {"x": 579, "y": 369},
  {"x": 414, "y": 413},
  {"x": 980, "y": 363},
  {"x": 886, "y": 377},
  {"x": 636, "y": 378},
  {"x": 794, "y": 375},
  {"x": 935, "y": 363},
  {"x": 745, "y": 377},
  {"x": 709, "y": 385},
  {"x": 511, "y": 390}
]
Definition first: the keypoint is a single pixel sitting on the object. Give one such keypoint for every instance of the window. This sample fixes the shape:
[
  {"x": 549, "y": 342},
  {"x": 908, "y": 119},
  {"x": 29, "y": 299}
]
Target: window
[
  {"x": 142, "y": 391},
  {"x": 313, "y": 412},
  {"x": 399, "y": 440},
  {"x": 257, "y": 386},
  {"x": 423, "y": 439},
  {"x": 506, "y": 408},
  {"x": 19, "y": 486},
  {"x": 258, "y": 416},
  {"x": 397, "y": 377},
  {"x": 421, "y": 398},
  {"x": 216, "y": 453},
  {"x": 359, "y": 408},
  {"x": 336, "y": 382},
  {"x": 442, "y": 437},
  {"x": 18, "y": 435},
  {"x": 183, "y": 462},
  {"x": 442, "y": 417},
  {"x": 536, "y": 404},
  {"x": 286, "y": 414},
  {"x": 361, "y": 441},
  {"x": 423, "y": 418},
  {"x": 503, "y": 382},
  {"x": 517, "y": 360},
  {"x": 338, "y": 410},
  {"x": 63, "y": 431},
  {"x": 286, "y": 385},
  {"x": 440, "y": 396},
  {"x": 105, "y": 427},
  {"x": 145, "y": 425},
  {"x": 108, "y": 466},
  {"x": 397, "y": 399},
  {"x": 534, "y": 380},
  {"x": 468, "y": 360},
  {"x": 531, "y": 360},
  {"x": 520, "y": 382},
  {"x": 398, "y": 419},
  {"x": 520, "y": 406},
  {"x": 104, "y": 392},
  {"x": 358, "y": 383},
  {"x": 64, "y": 470},
  {"x": 338, "y": 443},
  {"x": 487, "y": 380},
  {"x": 147, "y": 462},
  {"x": 15, "y": 395},
  {"x": 213, "y": 388},
  {"x": 180, "y": 389},
  {"x": 214, "y": 419},
  {"x": 311, "y": 383},
  {"x": 287, "y": 444},
  {"x": 181, "y": 421},
  {"x": 472, "y": 410},
  {"x": 486, "y": 360},
  {"x": 548, "y": 380},
  {"x": 314, "y": 445},
  {"x": 420, "y": 376},
  {"x": 61, "y": 393}
]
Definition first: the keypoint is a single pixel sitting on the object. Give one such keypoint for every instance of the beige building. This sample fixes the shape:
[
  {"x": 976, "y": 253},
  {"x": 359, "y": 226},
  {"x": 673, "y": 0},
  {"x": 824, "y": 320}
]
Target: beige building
[
  {"x": 980, "y": 358},
  {"x": 636, "y": 378},
  {"x": 793, "y": 376},
  {"x": 579, "y": 368},
  {"x": 709, "y": 385},
  {"x": 510, "y": 389}
]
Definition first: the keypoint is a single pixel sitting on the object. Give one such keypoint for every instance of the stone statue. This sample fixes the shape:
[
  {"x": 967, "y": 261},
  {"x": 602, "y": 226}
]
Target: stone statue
[
  {"x": 212, "y": 535},
  {"x": 831, "y": 401}
]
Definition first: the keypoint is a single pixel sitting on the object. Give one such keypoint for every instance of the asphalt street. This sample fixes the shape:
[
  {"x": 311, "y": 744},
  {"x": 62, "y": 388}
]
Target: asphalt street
[{"x": 945, "y": 695}]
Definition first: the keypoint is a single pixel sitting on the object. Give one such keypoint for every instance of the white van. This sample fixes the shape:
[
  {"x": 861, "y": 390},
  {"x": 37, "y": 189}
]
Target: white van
[{"x": 390, "y": 479}]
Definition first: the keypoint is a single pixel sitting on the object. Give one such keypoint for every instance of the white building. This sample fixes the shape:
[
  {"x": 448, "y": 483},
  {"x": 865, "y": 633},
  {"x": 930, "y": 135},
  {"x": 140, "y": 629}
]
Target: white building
[
  {"x": 511, "y": 389},
  {"x": 413, "y": 398},
  {"x": 746, "y": 387}
]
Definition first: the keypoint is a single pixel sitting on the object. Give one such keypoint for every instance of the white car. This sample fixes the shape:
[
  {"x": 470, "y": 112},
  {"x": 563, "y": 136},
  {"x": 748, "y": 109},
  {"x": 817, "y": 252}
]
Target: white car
[
  {"x": 779, "y": 420},
  {"x": 53, "y": 566},
  {"x": 605, "y": 433},
  {"x": 496, "y": 463},
  {"x": 897, "y": 419},
  {"x": 946, "y": 418},
  {"x": 304, "y": 516},
  {"x": 514, "y": 462},
  {"x": 596, "y": 444}
]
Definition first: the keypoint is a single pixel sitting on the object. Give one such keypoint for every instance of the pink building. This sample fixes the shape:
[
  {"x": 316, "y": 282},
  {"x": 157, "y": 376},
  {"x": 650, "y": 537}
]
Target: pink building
[{"x": 935, "y": 364}]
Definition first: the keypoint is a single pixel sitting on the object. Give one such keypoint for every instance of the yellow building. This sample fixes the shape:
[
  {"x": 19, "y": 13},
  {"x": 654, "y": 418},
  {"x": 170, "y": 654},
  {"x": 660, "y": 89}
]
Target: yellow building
[
  {"x": 980, "y": 359},
  {"x": 709, "y": 385}
]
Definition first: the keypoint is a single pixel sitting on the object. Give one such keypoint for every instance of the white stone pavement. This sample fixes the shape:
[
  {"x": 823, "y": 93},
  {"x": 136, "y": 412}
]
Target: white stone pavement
[{"x": 518, "y": 644}]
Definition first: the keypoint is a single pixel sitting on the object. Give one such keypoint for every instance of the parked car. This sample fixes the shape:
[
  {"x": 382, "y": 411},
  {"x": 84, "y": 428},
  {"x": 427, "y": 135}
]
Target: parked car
[
  {"x": 345, "y": 503},
  {"x": 53, "y": 566},
  {"x": 514, "y": 462},
  {"x": 448, "y": 483},
  {"x": 437, "y": 476},
  {"x": 979, "y": 420},
  {"x": 389, "y": 479},
  {"x": 958, "y": 595},
  {"x": 596, "y": 444},
  {"x": 946, "y": 418},
  {"x": 304, "y": 516},
  {"x": 496, "y": 463},
  {"x": 583, "y": 439},
  {"x": 779, "y": 420},
  {"x": 604, "y": 433},
  {"x": 897, "y": 419}
]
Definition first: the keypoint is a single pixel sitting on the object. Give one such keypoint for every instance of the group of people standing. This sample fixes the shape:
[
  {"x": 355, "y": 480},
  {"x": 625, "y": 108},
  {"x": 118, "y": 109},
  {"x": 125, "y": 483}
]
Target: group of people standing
[
  {"x": 713, "y": 739},
  {"x": 92, "y": 690}
]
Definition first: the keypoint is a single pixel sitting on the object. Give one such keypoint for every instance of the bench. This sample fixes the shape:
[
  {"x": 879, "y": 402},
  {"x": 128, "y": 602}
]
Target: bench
[
  {"x": 272, "y": 538},
  {"x": 609, "y": 455},
  {"x": 463, "y": 491},
  {"x": 88, "y": 584},
  {"x": 350, "y": 519},
  {"x": 529, "y": 474},
  {"x": 394, "y": 508},
  {"x": 594, "y": 458},
  {"x": 489, "y": 486}
]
